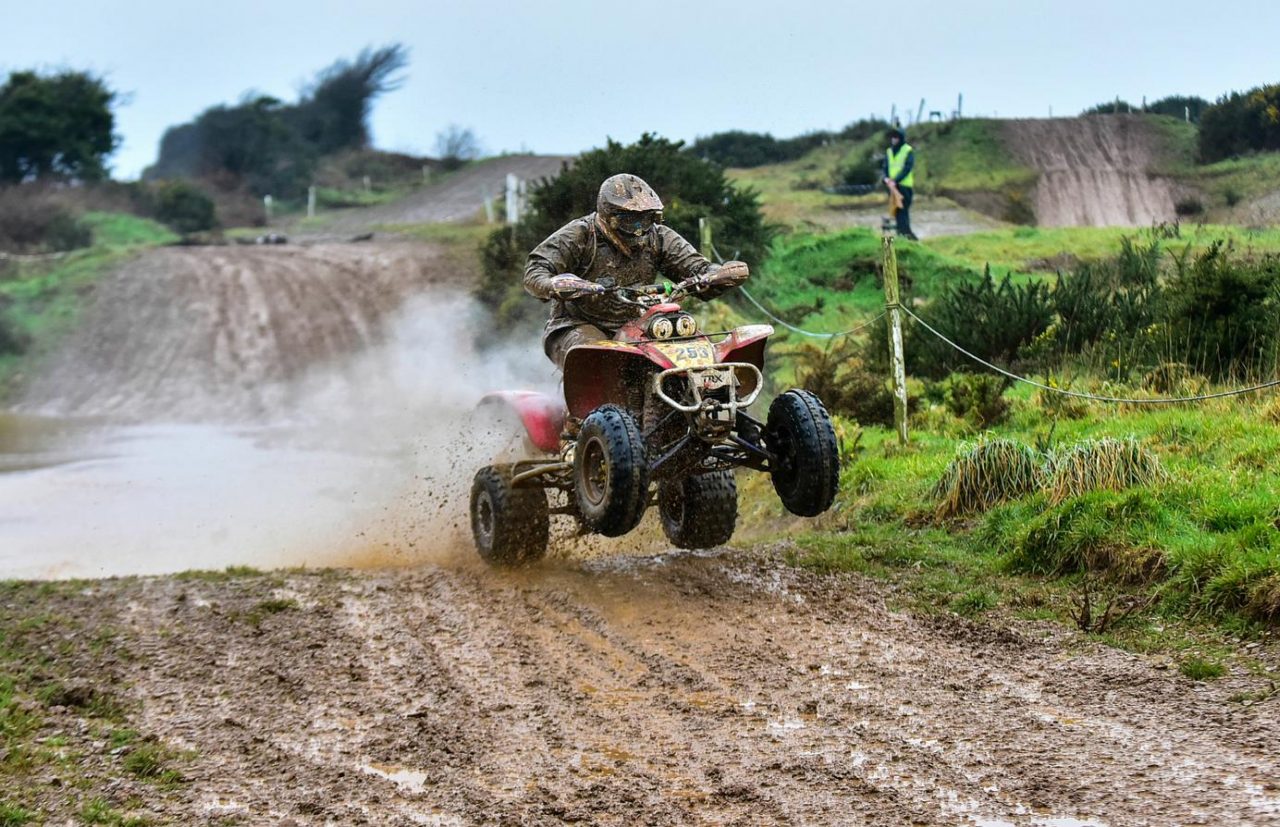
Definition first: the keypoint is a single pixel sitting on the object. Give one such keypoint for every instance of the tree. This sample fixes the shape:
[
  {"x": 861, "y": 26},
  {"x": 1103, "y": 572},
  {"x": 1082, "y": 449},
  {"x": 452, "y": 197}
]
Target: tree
[
  {"x": 334, "y": 112},
  {"x": 456, "y": 146},
  {"x": 272, "y": 146},
  {"x": 55, "y": 126}
]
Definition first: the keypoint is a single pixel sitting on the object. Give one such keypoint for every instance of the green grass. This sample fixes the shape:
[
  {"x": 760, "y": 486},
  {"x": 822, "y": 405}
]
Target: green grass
[
  {"x": 1199, "y": 669},
  {"x": 966, "y": 156},
  {"x": 1203, "y": 541}
]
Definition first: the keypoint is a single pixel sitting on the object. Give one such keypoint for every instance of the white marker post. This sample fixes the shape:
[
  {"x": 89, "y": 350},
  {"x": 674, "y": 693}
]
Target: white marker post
[
  {"x": 892, "y": 298},
  {"x": 311, "y": 201},
  {"x": 266, "y": 205},
  {"x": 513, "y": 198}
]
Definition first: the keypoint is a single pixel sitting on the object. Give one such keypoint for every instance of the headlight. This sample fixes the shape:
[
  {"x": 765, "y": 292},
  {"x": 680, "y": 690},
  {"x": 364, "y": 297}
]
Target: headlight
[
  {"x": 685, "y": 325},
  {"x": 661, "y": 328}
]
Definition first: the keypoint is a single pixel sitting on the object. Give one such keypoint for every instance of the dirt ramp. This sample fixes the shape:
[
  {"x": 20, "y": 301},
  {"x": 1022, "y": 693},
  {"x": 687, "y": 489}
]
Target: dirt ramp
[
  {"x": 1094, "y": 171},
  {"x": 219, "y": 333}
]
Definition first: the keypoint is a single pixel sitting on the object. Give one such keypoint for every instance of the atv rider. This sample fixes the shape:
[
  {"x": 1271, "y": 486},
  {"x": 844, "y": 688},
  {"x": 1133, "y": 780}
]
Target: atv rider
[{"x": 622, "y": 244}]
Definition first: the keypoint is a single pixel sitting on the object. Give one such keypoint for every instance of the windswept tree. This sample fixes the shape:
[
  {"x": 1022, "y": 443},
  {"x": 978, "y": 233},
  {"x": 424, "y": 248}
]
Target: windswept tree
[
  {"x": 334, "y": 111},
  {"x": 272, "y": 146},
  {"x": 55, "y": 126}
]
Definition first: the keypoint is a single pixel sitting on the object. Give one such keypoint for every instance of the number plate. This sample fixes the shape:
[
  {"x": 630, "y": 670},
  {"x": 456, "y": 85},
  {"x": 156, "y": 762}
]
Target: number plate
[{"x": 688, "y": 354}]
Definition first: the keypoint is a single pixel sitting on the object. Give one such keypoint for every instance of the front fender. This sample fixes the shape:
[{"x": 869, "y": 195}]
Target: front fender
[{"x": 599, "y": 373}]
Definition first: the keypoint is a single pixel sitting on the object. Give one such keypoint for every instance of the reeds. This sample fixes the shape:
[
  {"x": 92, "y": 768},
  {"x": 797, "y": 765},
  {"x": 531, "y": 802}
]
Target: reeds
[
  {"x": 987, "y": 473},
  {"x": 1100, "y": 465}
]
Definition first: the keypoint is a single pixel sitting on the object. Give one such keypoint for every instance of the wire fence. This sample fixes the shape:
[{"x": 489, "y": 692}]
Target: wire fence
[{"x": 1092, "y": 397}]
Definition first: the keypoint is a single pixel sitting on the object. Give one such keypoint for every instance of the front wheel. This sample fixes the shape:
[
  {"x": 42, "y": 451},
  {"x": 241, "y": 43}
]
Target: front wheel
[
  {"x": 700, "y": 510},
  {"x": 806, "y": 464},
  {"x": 610, "y": 472},
  {"x": 510, "y": 525}
]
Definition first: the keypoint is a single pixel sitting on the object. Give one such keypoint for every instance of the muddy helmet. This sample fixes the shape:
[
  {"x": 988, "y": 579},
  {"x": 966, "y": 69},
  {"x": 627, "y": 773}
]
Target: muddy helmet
[{"x": 628, "y": 205}]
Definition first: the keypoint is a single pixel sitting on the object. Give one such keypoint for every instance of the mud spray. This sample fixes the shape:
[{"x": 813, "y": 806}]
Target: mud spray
[{"x": 362, "y": 460}]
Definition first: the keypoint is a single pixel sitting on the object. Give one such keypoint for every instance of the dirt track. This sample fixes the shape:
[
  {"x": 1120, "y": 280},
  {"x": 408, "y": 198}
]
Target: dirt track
[
  {"x": 1093, "y": 171},
  {"x": 670, "y": 690}
]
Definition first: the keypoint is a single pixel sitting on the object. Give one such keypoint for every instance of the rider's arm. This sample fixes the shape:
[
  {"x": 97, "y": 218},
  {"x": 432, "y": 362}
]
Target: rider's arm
[
  {"x": 678, "y": 259},
  {"x": 562, "y": 252}
]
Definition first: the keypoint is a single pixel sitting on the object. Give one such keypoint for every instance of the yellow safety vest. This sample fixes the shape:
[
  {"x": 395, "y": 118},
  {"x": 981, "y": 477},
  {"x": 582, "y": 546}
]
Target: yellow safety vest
[{"x": 897, "y": 160}]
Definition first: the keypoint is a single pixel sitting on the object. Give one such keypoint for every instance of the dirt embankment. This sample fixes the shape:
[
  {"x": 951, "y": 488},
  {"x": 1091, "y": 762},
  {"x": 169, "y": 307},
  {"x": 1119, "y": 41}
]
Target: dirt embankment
[
  {"x": 1093, "y": 171},
  {"x": 677, "y": 690},
  {"x": 218, "y": 333}
]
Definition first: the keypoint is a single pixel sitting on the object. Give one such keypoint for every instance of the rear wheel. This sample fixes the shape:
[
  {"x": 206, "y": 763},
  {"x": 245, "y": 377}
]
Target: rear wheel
[
  {"x": 510, "y": 525},
  {"x": 700, "y": 510},
  {"x": 806, "y": 466},
  {"x": 610, "y": 472}
]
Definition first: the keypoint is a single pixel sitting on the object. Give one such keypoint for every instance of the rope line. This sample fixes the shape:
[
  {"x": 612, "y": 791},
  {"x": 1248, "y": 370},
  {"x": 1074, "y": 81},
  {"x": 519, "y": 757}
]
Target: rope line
[
  {"x": 810, "y": 333},
  {"x": 1168, "y": 400}
]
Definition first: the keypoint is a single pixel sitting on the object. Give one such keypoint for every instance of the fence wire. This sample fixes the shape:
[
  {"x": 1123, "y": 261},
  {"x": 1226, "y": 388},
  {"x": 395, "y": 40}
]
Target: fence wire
[
  {"x": 1167, "y": 400},
  {"x": 810, "y": 333}
]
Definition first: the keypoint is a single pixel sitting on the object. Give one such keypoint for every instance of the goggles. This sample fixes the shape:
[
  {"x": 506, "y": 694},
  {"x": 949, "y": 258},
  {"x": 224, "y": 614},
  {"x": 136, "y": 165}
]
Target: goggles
[{"x": 636, "y": 223}]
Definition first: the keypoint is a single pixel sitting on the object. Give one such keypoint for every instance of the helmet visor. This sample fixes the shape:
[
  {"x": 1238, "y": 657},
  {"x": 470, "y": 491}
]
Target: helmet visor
[{"x": 636, "y": 223}]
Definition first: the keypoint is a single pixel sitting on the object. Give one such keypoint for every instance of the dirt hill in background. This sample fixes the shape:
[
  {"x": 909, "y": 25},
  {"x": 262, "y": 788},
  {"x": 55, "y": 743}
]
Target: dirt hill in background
[
  {"x": 216, "y": 333},
  {"x": 1093, "y": 171}
]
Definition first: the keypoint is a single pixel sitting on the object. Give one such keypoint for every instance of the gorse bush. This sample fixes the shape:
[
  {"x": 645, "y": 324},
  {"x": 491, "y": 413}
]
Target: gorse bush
[
  {"x": 977, "y": 398},
  {"x": 991, "y": 319},
  {"x": 1241, "y": 122},
  {"x": 1225, "y": 313}
]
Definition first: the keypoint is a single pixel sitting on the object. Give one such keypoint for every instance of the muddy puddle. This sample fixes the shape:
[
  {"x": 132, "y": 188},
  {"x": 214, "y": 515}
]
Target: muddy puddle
[{"x": 85, "y": 498}]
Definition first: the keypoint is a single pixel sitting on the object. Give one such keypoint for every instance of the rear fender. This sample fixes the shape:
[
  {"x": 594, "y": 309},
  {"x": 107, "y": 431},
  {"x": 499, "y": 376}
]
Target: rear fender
[{"x": 542, "y": 415}]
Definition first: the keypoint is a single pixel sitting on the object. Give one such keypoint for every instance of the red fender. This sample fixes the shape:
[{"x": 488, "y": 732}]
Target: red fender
[
  {"x": 745, "y": 344},
  {"x": 542, "y": 415}
]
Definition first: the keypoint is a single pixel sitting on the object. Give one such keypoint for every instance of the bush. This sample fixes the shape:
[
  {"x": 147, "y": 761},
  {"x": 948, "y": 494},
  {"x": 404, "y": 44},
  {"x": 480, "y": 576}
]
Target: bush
[
  {"x": 1188, "y": 206},
  {"x": 977, "y": 398},
  {"x": 1225, "y": 313},
  {"x": 1176, "y": 106},
  {"x": 992, "y": 320},
  {"x": 845, "y": 384},
  {"x": 32, "y": 221},
  {"x": 1240, "y": 123},
  {"x": 184, "y": 207}
]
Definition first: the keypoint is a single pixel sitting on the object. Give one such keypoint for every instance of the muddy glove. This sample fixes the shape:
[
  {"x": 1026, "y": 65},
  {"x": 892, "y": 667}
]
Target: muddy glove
[
  {"x": 719, "y": 278},
  {"x": 569, "y": 286}
]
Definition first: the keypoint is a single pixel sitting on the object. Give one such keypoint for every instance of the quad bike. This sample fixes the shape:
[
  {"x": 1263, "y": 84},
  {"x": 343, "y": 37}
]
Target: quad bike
[{"x": 657, "y": 415}]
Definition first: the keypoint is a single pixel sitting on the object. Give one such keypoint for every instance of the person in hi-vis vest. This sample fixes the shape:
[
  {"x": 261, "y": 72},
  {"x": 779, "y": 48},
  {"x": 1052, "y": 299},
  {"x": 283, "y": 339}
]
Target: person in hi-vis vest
[{"x": 899, "y": 168}]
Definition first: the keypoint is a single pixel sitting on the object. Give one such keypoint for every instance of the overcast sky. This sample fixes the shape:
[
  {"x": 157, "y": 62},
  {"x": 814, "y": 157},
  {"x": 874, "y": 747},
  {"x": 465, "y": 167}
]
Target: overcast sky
[{"x": 561, "y": 77}]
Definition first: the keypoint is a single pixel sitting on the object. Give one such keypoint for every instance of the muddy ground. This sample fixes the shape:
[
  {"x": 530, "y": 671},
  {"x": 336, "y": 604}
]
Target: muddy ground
[{"x": 725, "y": 688}]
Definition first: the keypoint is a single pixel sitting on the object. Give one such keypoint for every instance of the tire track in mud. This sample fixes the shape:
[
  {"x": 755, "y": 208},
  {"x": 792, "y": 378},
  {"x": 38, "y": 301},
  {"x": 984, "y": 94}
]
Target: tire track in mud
[{"x": 677, "y": 689}]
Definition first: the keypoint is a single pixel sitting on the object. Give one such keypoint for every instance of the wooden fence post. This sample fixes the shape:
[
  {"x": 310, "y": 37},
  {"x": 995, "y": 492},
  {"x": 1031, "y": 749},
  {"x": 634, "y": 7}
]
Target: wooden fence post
[
  {"x": 311, "y": 201},
  {"x": 892, "y": 298},
  {"x": 704, "y": 238}
]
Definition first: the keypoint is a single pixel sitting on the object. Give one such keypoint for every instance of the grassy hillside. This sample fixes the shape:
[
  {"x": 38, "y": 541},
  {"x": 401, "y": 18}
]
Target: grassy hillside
[
  {"x": 959, "y": 162},
  {"x": 40, "y": 298}
]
